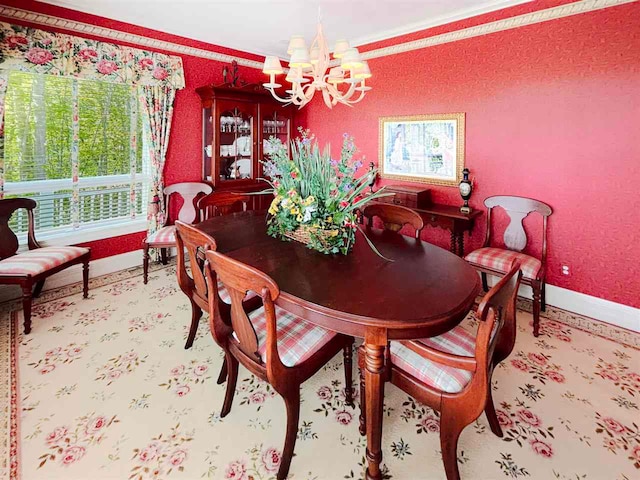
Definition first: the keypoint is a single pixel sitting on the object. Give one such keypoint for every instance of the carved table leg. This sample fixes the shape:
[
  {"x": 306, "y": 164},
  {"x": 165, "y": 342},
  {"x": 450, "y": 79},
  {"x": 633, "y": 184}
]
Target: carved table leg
[
  {"x": 452, "y": 247},
  {"x": 374, "y": 386},
  {"x": 461, "y": 244}
]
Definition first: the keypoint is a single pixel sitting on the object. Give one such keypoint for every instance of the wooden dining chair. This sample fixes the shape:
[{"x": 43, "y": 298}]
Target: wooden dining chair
[
  {"x": 394, "y": 217},
  {"x": 273, "y": 344},
  {"x": 451, "y": 373},
  {"x": 496, "y": 260},
  {"x": 192, "y": 282},
  {"x": 222, "y": 203},
  {"x": 31, "y": 268},
  {"x": 165, "y": 237}
]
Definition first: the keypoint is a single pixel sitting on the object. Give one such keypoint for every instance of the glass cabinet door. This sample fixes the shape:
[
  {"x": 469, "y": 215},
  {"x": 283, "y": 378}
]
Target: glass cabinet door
[
  {"x": 275, "y": 122},
  {"x": 207, "y": 136},
  {"x": 236, "y": 134}
]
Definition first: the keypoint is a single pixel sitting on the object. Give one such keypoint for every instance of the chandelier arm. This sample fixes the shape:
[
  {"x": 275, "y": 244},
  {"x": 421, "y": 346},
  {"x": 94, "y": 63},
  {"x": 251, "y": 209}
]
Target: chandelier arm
[{"x": 275, "y": 95}]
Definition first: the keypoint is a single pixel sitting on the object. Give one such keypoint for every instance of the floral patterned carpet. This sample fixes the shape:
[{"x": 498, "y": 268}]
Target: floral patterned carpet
[{"x": 107, "y": 391}]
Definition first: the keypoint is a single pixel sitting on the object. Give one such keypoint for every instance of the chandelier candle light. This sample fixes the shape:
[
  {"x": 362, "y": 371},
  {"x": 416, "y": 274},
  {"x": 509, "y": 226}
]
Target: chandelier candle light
[{"x": 311, "y": 70}]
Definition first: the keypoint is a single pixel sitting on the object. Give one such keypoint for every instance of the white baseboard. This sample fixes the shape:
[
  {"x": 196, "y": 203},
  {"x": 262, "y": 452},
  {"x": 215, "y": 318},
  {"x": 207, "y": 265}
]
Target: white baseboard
[
  {"x": 604, "y": 310},
  {"x": 97, "y": 268}
]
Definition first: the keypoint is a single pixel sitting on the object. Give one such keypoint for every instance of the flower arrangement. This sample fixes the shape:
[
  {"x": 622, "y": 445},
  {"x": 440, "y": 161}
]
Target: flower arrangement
[{"x": 316, "y": 198}]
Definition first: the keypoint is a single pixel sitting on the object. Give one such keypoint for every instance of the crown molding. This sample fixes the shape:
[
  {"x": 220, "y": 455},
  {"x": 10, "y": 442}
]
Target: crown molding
[
  {"x": 119, "y": 36},
  {"x": 554, "y": 13}
]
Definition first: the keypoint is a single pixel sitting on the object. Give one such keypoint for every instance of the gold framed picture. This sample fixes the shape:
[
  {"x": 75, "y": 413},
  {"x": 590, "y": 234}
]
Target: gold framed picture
[{"x": 423, "y": 148}]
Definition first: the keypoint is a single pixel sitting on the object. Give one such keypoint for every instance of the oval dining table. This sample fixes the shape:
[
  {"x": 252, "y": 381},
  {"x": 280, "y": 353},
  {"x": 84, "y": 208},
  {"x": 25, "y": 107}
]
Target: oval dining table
[{"x": 421, "y": 291}]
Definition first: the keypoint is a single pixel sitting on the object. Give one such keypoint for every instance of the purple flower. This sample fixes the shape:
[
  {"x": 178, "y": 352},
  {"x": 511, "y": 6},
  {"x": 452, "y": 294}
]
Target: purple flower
[
  {"x": 306, "y": 141},
  {"x": 334, "y": 162},
  {"x": 357, "y": 165},
  {"x": 345, "y": 135}
]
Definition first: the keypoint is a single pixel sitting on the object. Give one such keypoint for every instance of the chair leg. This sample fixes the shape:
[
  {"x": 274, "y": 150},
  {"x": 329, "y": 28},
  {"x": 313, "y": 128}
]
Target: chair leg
[
  {"x": 363, "y": 396},
  {"x": 450, "y": 430},
  {"x": 145, "y": 263},
  {"x": 38, "y": 289},
  {"x": 196, "y": 313},
  {"x": 232, "y": 378},
  {"x": 485, "y": 284},
  {"x": 543, "y": 297},
  {"x": 490, "y": 411},
  {"x": 26, "y": 307},
  {"x": 292, "y": 402},
  {"x": 536, "y": 309},
  {"x": 85, "y": 279},
  {"x": 222, "y": 376},
  {"x": 163, "y": 256},
  {"x": 348, "y": 373}
]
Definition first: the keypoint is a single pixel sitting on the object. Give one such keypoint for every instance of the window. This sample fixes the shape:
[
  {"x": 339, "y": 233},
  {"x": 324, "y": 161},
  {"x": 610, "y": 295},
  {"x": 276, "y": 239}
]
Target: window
[{"x": 41, "y": 144}]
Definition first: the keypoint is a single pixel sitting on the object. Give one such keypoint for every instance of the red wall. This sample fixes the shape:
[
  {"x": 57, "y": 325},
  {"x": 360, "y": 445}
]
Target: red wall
[
  {"x": 552, "y": 113},
  {"x": 184, "y": 155}
]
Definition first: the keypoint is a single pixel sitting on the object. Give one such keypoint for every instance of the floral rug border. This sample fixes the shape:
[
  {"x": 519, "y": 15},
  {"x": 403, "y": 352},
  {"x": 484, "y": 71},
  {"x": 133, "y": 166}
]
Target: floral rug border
[{"x": 10, "y": 410}]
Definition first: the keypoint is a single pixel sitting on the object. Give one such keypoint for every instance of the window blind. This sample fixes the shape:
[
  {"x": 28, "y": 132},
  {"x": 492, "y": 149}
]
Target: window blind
[{"x": 76, "y": 147}]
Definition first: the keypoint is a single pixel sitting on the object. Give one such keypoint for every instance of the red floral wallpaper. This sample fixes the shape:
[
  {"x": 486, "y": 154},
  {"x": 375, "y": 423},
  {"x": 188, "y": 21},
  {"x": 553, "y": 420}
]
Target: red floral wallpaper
[{"x": 551, "y": 113}]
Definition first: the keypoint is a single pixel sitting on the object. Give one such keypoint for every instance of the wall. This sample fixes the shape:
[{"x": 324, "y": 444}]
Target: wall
[
  {"x": 552, "y": 113},
  {"x": 184, "y": 153}
]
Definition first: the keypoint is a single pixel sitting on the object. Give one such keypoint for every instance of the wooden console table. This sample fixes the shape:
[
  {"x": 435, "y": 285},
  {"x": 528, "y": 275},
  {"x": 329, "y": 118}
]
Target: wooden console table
[{"x": 450, "y": 218}]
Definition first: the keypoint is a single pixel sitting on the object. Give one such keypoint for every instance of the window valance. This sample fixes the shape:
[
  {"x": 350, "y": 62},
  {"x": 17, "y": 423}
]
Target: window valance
[{"x": 38, "y": 51}]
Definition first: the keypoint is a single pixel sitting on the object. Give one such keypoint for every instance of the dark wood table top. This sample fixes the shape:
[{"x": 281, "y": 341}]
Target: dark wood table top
[{"x": 425, "y": 291}]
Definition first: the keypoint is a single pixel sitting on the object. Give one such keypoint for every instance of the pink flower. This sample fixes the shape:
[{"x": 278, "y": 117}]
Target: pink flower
[
  {"x": 634, "y": 377},
  {"x": 503, "y": 419},
  {"x": 47, "y": 369},
  {"x": 177, "y": 457},
  {"x": 607, "y": 374},
  {"x": 257, "y": 397},
  {"x": 564, "y": 338},
  {"x": 179, "y": 370},
  {"x": 200, "y": 370},
  {"x": 236, "y": 471},
  {"x": 554, "y": 325},
  {"x": 88, "y": 54},
  {"x": 113, "y": 374},
  {"x": 39, "y": 56},
  {"x": 57, "y": 435},
  {"x": 52, "y": 352},
  {"x": 294, "y": 175},
  {"x": 537, "y": 358},
  {"x": 529, "y": 417},
  {"x": 613, "y": 425},
  {"x": 344, "y": 417},
  {"x": 541, "y": 448},
  {"x": 95, "y": 424},
  {"x": 635, "y": 454},
  {"x": 46, "y": 41},
  {"x": 520, "y": 365},
  {"x": 344, "y": 204},
  {"x": 148, "y": 453},
  {"x": 16, "y": 41},
  {"x": 610, "y": 444},
  {"x": 130, "y": 356},
  {"x": 182, "y": 390},
  {"x": 324, "y": 393},
  {"x": 106, "y": 67},
  {"x": 159, "y": 73},
  {"x": 146, "y": 63},
  {"x": 74, "y": 352},
  {"x": 555, "y": 376},
  {"x": 73, "y": 454},
  {"x": 271, "y": 459},
  {"x": 430, "y": 424}
]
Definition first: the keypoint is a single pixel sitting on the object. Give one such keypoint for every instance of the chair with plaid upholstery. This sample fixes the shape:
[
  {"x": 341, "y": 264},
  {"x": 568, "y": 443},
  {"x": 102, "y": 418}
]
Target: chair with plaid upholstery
[
  {"x": 271, "y": 343},
  {"x": 496, "y": 261},
  {"x": 165, "y": 237},
  {"x": 394, "y": 217},
  {"x": 32, "y": 267},
  {"x": 451, "y": 373}
]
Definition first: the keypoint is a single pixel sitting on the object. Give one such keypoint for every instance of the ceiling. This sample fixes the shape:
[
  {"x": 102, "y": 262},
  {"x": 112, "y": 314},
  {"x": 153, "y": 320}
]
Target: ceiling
[{"x": 264, "y": 27}]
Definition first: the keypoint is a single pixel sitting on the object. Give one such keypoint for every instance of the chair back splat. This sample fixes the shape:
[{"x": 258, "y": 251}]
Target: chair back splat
[
  {"x": 222, "y": 203},
  {"x": 8, "y": 239},
  {"x": 394, "y": 217}
]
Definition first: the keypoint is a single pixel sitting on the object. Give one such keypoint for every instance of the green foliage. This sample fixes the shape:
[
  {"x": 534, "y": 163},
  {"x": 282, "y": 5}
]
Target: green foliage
[{"x": 315, "y": 192}]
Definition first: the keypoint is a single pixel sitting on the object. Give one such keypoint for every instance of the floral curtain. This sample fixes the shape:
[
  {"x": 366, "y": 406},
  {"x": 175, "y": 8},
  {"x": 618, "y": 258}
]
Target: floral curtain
[
  {"x": 156, "y": 105},
  {"x": 38, "y": 51}
]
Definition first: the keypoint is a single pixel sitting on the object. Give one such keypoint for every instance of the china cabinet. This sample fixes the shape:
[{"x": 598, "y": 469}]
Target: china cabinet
[{"x": 237, "y": 124}]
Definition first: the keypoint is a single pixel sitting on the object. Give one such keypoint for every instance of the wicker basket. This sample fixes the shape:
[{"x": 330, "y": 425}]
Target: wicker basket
[{"x": 302, "y": 234}]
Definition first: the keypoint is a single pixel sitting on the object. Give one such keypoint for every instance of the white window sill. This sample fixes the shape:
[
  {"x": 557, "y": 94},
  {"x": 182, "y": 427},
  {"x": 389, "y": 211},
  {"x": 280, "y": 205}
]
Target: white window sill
[{"x": 87, "y": 234}]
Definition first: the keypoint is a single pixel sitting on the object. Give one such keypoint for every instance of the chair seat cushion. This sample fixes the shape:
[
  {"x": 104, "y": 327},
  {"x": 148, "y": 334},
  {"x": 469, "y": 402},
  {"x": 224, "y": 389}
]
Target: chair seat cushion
[
  {"x": 449, "y": 379},
  {"x": 297, "y": 339},
  {"x": 34, "y": 262},
  {"x": 501, "y": 259},
  {"x": 164, "y": 235}
]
